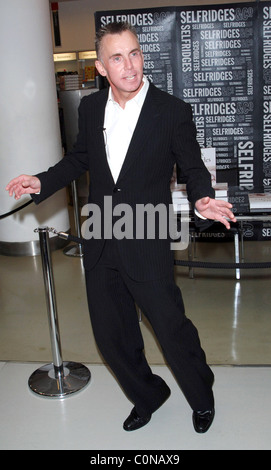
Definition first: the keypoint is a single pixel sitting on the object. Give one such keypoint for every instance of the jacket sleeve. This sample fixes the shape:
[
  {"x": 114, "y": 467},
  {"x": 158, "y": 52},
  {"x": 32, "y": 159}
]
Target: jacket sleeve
[
  {"x": 188, "y": 155},
  {"x": 70, "y": 167}
]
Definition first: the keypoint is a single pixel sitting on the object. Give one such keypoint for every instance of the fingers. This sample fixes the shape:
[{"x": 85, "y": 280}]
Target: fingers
[
  {"x": 11, "y": 184},
  {"x": 228, "y": 213},
  {"x": 19, "y": 186},
  {"x": 17, "y": 190},
  {"x": 224, "y": 208},
  {"x": 216, "y": 209},
  {"x": 224, "y": 221},
  {"x": 225, "y": 217}
]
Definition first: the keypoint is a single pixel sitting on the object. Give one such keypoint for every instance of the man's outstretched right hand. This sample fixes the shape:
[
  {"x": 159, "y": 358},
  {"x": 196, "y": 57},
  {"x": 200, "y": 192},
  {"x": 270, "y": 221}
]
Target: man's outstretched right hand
[{"x": 23, "y": 184}]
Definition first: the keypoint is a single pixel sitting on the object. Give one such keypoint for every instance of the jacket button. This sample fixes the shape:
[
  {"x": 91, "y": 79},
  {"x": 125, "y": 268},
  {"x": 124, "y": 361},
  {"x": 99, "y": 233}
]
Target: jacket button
[{"x": 115, "y": 190}]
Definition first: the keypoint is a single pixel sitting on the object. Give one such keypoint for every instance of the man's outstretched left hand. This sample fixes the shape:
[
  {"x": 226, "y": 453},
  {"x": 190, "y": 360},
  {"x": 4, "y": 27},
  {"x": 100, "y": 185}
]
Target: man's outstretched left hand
[{"x": 216, "y": 209}]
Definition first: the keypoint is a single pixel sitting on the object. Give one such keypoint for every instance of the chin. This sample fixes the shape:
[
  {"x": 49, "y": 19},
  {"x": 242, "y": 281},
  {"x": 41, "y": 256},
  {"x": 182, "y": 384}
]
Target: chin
[{"x": 134, "y": 85}]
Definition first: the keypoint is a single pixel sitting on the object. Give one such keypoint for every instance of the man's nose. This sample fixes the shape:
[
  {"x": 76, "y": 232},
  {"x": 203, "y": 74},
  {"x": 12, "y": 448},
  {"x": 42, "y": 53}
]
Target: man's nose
[{"x": 128, "y": 63}]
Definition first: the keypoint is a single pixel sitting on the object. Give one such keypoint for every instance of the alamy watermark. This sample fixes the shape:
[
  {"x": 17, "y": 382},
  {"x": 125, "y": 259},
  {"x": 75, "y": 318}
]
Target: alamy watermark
[{"x": 145, "y": 221}]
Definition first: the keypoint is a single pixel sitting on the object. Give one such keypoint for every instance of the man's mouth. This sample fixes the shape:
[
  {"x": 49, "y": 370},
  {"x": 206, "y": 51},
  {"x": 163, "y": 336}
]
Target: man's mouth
[{"x": 131, "y": 77}]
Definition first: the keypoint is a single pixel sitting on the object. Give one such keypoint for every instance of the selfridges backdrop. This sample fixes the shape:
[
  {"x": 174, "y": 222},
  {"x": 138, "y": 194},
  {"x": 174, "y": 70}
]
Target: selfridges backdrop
[{"x": 217, "y": 58}]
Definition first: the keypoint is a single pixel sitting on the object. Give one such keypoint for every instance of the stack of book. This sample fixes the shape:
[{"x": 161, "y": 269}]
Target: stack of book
[
  {"x": 179, "y": 194},
  {"x": 71, "y": 82},
  {"x": 260, "y": 202},
  {"x": 238, "y": 197},
  {"x": 221, "y": 191},
  {"x": 180, "y": 200}
]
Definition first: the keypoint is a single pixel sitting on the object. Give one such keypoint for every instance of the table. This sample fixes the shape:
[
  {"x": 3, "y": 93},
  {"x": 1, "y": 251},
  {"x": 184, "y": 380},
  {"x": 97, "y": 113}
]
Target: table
[{"x": 243, "y": 213}]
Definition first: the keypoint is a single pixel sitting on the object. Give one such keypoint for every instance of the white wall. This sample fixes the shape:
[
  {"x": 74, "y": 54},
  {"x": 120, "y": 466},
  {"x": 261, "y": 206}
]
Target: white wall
[{"x": 76, "y": 18}]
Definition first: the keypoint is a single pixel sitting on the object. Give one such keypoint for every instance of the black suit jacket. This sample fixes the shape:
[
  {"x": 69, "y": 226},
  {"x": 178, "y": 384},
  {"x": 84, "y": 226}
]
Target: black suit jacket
[{"x": 164, "y": 135}]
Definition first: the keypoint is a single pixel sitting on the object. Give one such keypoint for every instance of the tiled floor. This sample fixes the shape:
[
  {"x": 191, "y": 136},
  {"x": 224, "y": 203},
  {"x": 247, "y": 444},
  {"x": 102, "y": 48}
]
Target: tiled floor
[
  {"x": 92, "y": 419},
  {"x": 233, "y": 319}
]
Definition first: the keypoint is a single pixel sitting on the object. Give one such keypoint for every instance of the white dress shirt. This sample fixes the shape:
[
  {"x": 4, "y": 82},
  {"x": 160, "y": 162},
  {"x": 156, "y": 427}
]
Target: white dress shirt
[{"x": 119, "y": 125}]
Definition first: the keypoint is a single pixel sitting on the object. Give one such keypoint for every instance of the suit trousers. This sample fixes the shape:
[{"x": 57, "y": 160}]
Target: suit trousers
[{"x": 112, "y": 296}]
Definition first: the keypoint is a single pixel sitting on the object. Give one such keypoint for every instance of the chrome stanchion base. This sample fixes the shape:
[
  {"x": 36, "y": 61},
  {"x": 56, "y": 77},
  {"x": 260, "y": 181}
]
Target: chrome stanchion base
[
  {"x": 73, "y": 250},
  {"x": 44, "y": 381}
]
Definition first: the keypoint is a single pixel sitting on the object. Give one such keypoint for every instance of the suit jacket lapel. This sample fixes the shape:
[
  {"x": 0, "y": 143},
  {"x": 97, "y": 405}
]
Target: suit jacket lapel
[{"x": 99, "y": 131}]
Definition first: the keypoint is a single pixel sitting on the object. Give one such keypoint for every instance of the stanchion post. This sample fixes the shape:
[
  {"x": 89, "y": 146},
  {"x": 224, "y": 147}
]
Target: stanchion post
[
  {"x": 50, "y": 300},
  {"x": 57, "y": 379},
  {"x": 75, "y": 250}
]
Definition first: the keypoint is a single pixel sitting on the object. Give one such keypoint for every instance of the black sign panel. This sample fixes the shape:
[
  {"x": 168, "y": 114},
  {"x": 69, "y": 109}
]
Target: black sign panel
[
  {"x": 264, "y": 96},
  {"x": 217, "y": 56}
]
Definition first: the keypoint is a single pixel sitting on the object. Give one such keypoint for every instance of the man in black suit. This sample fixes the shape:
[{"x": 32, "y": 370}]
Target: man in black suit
[{"x": 130, "y": 136}]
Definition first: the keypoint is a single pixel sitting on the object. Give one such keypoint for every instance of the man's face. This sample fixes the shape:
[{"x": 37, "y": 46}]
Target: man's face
[{"x": 121, "y": 63}]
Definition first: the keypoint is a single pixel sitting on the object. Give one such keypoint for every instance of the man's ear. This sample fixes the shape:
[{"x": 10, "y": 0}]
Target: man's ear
[{"x": 99, "y": 66}]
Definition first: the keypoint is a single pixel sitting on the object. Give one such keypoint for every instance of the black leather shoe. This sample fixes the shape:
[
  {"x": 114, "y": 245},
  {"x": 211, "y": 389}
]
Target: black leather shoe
[
  {"x": 202, "y": 420},
  {"x": 134, "y": 421}
]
